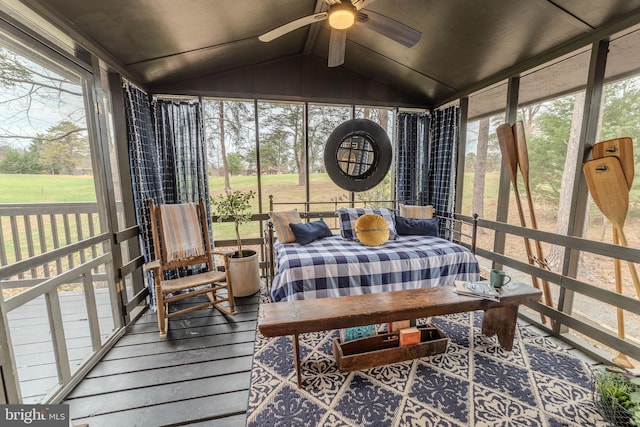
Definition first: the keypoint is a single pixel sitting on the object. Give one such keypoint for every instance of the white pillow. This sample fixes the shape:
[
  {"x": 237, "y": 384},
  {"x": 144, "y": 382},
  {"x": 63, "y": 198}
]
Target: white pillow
[
  {"x": 281, "y": 221},
  {"x": 417, "y": 212}
]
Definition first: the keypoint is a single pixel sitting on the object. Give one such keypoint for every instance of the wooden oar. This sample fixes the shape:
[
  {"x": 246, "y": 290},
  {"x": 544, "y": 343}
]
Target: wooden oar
[
  {"x": 608, "y": 187},
  {"x": 510, "y": 157},
  {"x": 632, "y": 267},
  {"x": 622, "y": 149},
  {"x": 523, "y": 162},
  {"x": 620, "y": 359}
]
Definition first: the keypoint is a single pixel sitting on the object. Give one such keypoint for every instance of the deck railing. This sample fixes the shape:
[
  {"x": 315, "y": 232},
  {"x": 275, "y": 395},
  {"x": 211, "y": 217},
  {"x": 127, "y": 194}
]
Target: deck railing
[
  {"x": 30, "y": 229},
  {"x": 592, "y": 328},
  {"x": 49, "y": 253}
]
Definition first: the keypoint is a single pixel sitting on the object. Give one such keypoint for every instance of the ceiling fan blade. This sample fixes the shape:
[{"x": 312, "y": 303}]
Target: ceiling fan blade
[
  {"x": 337, "y": 44},
  {"x": 293, "y": 25},
  {"x": 360, "y": 4},
  {"x": 388, "y": 27}
]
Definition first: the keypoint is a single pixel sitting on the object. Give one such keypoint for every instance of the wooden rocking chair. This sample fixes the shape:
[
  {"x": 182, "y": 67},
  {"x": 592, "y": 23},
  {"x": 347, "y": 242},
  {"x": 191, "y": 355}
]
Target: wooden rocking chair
[{"x": 181, "y": 240}]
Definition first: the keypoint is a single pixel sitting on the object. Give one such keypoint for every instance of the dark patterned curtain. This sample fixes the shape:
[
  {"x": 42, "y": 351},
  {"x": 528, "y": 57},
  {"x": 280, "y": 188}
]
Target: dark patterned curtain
[
  {"x": 412, "y": 149},
  {"x": 180, "y": 142},
  {"x": 144, "y": 161},
  {"x": 442, "y": 171},
  {"x": 167, "y": 157}
]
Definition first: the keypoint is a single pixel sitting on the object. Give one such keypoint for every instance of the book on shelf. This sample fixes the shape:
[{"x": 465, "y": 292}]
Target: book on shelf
[
  {"x": 409, "y": 336},
  {"x": 479, "y": 289},
  {"x": 357, "y": 332},
  {"x": 396, "y": 326},
  {"x": 387, "y": 328}
]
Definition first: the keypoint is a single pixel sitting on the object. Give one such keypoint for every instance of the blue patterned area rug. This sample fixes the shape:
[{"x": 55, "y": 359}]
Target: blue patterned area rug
[{"x": 474, "y": 383}]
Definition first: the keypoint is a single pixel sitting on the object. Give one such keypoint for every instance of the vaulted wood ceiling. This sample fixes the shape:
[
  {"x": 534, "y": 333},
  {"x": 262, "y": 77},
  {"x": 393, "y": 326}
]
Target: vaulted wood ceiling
[{"x": 212, "y": 45}]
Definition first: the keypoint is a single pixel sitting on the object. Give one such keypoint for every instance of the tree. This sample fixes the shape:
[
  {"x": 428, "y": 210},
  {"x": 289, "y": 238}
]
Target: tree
[
  {"x": 486, "y": 158},
  {"x": 229, "y": 130},
  {"x": 286, "y": 121},
  {"x": 480, "y": 169},
  {"x": 380, "y": 192},
  {"x": 323, "y": 119},
  {"x": 13, "y": 72},
  {"x": 554, "y": 142},
  {"x": 556, "y": 253},
  {"x": 62, "y": 148},
  {"x": 494, "y": 155},
  {"x": 547, "y": 142},
  {"x": 34, "y": 94},
  {"x": 234, "y": 164},
  {"x": 470, "y": 161},
  {"x": 223, "y": 147},
  {"x": 621, "y": 117},
  {"x": 528, "y": 115},
  {"x": 20, "y": 162},
  {"x": 275, "y": 151}
]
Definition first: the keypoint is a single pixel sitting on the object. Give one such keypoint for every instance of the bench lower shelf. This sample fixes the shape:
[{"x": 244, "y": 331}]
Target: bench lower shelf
[
  {"x": 384, "y": 349},
  {"x": 312, "y": 315}
]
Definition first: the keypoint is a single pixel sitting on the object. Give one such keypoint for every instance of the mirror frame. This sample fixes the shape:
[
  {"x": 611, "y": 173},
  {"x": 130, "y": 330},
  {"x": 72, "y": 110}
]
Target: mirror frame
[{"x": 382, "y": 152}]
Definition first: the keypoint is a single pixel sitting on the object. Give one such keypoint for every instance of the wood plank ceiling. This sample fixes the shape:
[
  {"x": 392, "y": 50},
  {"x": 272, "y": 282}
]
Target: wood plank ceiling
[{"x": 169, "y": 45}]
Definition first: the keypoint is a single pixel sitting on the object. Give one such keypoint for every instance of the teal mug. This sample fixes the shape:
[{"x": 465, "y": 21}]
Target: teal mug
[{"x": 499, "y": 278}]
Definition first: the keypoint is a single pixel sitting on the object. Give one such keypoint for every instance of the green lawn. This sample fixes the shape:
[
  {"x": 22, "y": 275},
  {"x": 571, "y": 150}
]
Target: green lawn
[
  {"x": 64, "y": 188},
  {"x": 46, "y": 188},
  {"x": 285, "y": 188},
  {"x": 56, "y": 188},
  {"x": 492, "y": 182}
]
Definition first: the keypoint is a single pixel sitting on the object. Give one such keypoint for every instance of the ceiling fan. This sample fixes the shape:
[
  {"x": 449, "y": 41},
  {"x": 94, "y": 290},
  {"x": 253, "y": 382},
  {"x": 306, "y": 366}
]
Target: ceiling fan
[{"x": 342, "y": 15}]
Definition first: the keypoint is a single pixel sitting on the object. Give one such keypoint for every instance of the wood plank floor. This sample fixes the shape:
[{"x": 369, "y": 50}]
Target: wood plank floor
[
  {"x": 31, "y": 339},
  {"x": 199, "y": 375}
]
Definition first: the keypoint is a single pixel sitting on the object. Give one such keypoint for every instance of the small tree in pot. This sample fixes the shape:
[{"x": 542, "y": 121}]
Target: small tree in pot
[
  {"x": 236, "y": 205},
  {"x": 243, "y": 267}
]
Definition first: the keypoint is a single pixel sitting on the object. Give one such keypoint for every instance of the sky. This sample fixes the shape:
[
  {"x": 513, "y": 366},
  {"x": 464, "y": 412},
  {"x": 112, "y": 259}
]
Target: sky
[{"x": 28, "y": 108}]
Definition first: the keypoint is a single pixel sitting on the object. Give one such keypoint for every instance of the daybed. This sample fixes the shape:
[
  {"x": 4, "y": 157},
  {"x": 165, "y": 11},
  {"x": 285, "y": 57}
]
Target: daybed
[{"x": 338, "y": 264}]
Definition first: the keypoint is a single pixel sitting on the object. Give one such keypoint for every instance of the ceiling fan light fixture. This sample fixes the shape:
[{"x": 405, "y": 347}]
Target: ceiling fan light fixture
[{"x": 342, "y": 16}]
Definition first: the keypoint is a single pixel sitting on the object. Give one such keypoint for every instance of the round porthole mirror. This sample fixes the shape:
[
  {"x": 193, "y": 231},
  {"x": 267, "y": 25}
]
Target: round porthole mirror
[{"x": 357, "y": 155}]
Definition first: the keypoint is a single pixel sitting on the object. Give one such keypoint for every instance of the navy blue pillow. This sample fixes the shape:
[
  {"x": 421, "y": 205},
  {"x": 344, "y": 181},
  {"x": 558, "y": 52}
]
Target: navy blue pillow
[
  {"x": 307, "y": 233},
  {"x": 420, "y": 227}
]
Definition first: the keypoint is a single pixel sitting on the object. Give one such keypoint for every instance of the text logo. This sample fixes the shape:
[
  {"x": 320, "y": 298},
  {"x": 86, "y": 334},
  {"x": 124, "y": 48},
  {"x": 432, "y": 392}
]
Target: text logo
[{"x": 34, "y": 415}]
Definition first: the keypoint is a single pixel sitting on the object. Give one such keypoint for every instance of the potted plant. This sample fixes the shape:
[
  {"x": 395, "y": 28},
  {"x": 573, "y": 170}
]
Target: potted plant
[
  {"x": 243, "y": 264},
  {"x": 617, "y": 396}
]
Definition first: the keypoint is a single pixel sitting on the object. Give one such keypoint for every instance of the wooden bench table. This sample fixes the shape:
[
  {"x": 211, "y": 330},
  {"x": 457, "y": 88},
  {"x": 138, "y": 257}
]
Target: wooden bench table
[{"x": 298, "y": 317}]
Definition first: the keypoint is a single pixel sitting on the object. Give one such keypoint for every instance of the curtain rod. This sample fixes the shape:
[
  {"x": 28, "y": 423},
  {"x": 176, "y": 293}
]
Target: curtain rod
[{"x": 412, "y": 110}]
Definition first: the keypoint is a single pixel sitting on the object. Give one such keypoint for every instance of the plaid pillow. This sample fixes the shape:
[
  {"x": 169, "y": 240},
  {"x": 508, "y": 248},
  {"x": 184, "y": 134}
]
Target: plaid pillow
[{"x": 349, "y": 216}]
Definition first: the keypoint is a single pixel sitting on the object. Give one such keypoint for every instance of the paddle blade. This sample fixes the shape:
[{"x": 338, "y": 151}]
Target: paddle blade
[
  {"x": 359, "y": 4},
  {"x": 521, "y": 148},
  {"x": 396, "y": 31},
  {"x": 337, "y": 45},
  {"x": 622, "y": 148},
  {"x": 293, "y": 25},
  {"x": 508, "y": 150},
  {"x": 608, "y": 188}
]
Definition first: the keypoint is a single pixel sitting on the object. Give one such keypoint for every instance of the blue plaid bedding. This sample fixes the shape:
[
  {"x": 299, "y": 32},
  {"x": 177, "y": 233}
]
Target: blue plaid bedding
[{"x": 333, "y": 267}]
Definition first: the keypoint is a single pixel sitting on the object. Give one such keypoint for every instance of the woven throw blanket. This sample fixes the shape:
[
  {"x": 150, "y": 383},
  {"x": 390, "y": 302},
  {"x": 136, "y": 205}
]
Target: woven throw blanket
[{"x": 181, "y": 229}]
